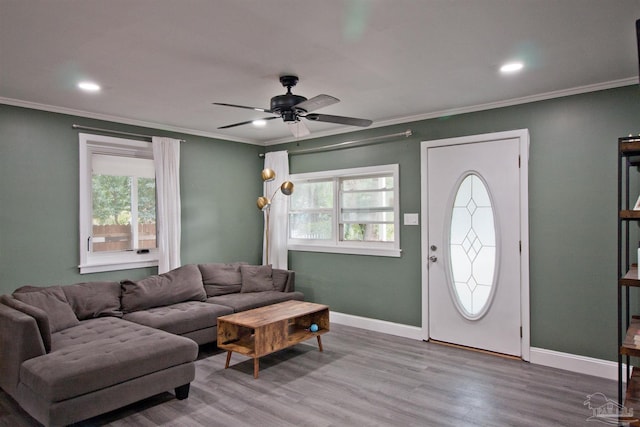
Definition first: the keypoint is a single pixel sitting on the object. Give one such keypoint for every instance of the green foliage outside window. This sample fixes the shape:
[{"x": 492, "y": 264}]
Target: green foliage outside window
[
  {"x": 111, "y": 197},
  {"x": 146, "y": 200}
]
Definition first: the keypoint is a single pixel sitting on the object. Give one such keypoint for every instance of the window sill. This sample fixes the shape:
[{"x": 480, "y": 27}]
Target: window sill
[
  {"x": 97, "y": 268},
  {"x": 351, "y": 250}
]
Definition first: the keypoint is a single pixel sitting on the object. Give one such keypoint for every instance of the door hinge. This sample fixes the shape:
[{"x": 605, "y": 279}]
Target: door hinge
[
  {"x": 520, "y": 331},
  {"x": 518, "y": 161},
  {"x": 520, "y": 245}
]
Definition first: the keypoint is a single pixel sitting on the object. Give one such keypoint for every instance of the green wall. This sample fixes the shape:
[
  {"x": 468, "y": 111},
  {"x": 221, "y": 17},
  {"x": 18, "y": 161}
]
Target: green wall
[
  {"x": 572, "y": 207},
  {"x": 39, "y": 199},
  {"x": 572, "y": 199}
]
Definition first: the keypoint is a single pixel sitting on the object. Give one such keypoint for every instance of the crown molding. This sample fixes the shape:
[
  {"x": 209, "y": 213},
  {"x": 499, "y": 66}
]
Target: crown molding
[
  {"x": 400, "y": 120},
  {"x": 474, "y": 108},
  {"x": 122, "y": 120}
]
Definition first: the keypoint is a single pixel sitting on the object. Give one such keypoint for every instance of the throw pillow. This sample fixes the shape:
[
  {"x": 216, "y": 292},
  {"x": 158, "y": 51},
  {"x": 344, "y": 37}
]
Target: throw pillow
[
  {"x": 221, "y": 279},
  {"x": 280, "y": 278},
  {"x": 256, "y": 278},
  {"x": 94, "y": 299},
  {"x": 52, "y": 301},
  {"x": 42, "y": 320},
  {"x": 182, "y": 284}
]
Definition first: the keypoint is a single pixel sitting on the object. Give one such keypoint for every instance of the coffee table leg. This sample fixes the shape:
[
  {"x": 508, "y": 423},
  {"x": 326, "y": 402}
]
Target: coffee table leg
[
  {"x": 228, "y": 359},
  {"x": 319, "y": 343},
  {"x": 256, "y": 366}
]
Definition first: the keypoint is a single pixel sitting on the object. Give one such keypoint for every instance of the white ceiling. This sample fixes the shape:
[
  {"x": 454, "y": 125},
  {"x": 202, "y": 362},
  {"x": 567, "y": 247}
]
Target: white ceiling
[{"x": 163, "y": 62}]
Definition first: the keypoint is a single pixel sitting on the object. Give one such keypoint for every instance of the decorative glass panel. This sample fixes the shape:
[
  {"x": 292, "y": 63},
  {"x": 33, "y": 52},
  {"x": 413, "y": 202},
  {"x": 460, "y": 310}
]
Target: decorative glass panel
[{"x": 472, "y": 247}]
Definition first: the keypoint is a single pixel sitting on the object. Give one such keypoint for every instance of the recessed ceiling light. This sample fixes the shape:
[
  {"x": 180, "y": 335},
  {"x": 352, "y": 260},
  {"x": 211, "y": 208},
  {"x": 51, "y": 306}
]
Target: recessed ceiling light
[
  {"x": 511, "y": 67},
  {"x": 260, "y": 123},
  {"x": 89, "y": 86}
]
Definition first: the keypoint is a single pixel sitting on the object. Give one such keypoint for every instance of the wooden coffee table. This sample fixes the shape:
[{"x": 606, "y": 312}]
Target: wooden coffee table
[{"x": 261, "y": 331}]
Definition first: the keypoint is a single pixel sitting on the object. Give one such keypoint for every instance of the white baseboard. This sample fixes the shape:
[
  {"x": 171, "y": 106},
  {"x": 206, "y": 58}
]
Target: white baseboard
[
  {"x": 575, "y": 363},
  {"x": 406, "y": 331},
  {"x": 539, "y": 356}
]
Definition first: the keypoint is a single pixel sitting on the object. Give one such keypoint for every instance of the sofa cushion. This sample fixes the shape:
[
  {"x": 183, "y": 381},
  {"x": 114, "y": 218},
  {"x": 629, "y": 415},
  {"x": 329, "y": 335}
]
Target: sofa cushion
[
  {"x": 247, "y": 301},
  {"x": 52, "y": 301},
  {"x": 94, "y": 299},
  {"x": 256, "y": 278},
  {"x": 42, "y": 320},
  {"x": 280, "y": 278},
  {"x": 221, "y": 279},
  {"x": 182, "y": 284},
  {"x": 181, "y": 318},
  {"x": 101, "y": 352}
]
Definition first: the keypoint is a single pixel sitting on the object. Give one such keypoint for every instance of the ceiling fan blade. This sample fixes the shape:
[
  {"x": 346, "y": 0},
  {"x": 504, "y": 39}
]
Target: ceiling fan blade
[
  {"x": 298, "y": 129},
  {"x": 246, "y": 123},
  {"x": 262, "y": 110},
  {"x": 341, "y": 120},
  {"x": 317, "y": 102}
]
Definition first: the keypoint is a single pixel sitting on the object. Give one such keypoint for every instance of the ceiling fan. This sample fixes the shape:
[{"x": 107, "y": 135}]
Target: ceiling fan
[{"x": 291, "y": 108}]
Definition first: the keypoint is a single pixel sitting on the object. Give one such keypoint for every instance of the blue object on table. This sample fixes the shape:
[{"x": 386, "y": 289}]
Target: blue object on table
[{"x": 313, "y": 327}]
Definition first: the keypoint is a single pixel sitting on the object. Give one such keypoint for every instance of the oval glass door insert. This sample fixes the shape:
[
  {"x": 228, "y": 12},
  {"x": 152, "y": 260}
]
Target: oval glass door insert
[{"x": 472, "y": 248}]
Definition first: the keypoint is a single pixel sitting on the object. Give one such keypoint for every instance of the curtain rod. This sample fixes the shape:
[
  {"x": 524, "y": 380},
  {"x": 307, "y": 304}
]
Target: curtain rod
[
  {"x": 347, "y": 144},
  {"x": 117, "y": 132}
]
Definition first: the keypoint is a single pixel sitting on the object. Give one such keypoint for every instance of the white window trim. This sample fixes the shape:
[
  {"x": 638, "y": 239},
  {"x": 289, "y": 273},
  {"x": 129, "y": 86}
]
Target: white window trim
[
  {"x": 390, "y": 249},
  {"x": 97, "y": 262}
]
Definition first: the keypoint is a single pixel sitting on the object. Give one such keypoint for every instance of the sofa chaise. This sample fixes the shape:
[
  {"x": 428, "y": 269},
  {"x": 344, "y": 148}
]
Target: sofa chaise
[{"x": 68, "y": 353}]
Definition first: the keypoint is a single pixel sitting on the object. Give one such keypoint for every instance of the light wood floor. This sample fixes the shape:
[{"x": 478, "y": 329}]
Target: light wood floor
[{"x": 362, "y": 379}]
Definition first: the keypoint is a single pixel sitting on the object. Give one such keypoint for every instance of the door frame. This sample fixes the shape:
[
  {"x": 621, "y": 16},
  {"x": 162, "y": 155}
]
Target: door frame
[{"x": 523, "y": 140}]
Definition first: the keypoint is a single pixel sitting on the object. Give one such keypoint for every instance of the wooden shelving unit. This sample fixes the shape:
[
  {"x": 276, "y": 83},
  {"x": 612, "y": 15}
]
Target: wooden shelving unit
[
  {"x": 632, "y": 396},
  {"x": 629, "y": 214},
  {"x": 631, "y": 277},
  {"x": 631, "y": 345},
  {"x": 628, "y": 274}
]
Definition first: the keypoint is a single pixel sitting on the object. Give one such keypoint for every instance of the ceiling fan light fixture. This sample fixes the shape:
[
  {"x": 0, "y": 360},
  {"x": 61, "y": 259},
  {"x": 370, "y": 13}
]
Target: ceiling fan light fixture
[
  {"x": 260, "y": 123},
  {"x": 289, "y": 116}
]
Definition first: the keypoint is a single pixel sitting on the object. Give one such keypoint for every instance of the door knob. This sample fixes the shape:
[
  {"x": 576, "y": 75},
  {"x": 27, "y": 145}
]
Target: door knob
[{"x": 433, "y": 258}]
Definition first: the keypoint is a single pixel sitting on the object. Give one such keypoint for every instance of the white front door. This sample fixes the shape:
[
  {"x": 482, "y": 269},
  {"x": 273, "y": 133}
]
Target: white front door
[{"x": 474, "y": 231}]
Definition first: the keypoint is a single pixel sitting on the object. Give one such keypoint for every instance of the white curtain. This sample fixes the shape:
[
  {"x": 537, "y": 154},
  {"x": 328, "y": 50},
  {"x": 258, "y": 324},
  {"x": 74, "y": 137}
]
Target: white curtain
[
  {"x": 166, "y": 158},
  {"x": 279, "y": 162}
]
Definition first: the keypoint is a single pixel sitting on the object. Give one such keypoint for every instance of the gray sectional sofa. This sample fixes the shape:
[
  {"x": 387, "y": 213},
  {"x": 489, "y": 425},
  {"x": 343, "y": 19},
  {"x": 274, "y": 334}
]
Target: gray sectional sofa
[{"x": 68, "y": 353}]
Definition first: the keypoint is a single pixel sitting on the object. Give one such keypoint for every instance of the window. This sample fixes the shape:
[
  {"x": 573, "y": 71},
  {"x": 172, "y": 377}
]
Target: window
[
  {"x": 117, "y": 204},
  {"x": 352, "y": 211}
]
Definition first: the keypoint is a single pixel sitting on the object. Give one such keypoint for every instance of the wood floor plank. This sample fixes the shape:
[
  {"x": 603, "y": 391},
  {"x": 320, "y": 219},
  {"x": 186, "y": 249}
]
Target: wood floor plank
[{"x": 361, "y": 378}]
